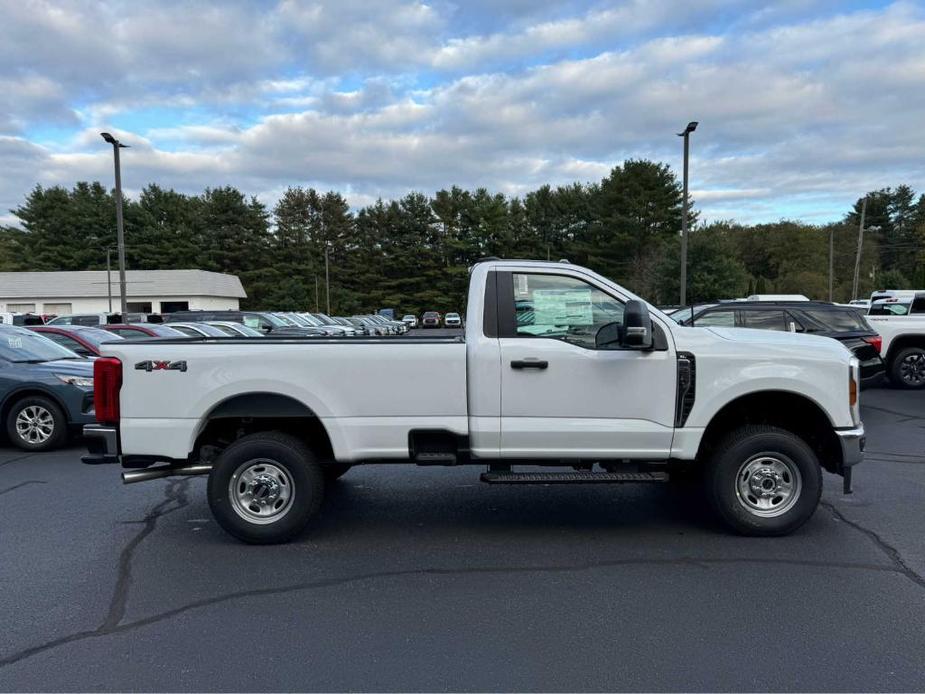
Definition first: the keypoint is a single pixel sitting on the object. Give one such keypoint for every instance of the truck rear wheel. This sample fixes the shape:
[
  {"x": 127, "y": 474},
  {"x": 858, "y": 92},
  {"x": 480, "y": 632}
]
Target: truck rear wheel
[
  {"x": 764, "y": 481},
  {"x": 265, "y": 488}
]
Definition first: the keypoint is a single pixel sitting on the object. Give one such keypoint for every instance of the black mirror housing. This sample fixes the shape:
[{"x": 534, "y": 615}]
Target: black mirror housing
[
  {"x": 609, "y": 336},
  {"x": 637, "y": 325}
]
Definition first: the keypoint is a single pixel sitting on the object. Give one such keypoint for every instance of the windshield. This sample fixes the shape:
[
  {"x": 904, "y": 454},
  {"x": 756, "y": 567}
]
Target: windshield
[
  {"x": 249, "y": 331},
  {"x": 683, "y": 315},
  {"x": 163, "y": 330},
  {"x": 274, "y": 321},
  {"x": 97, "y": 336},
  {"x": 29, "y": 347}
]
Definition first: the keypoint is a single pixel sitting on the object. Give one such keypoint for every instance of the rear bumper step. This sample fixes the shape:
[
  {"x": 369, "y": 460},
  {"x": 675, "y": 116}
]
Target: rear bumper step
[{"x": 572, "y": 477}]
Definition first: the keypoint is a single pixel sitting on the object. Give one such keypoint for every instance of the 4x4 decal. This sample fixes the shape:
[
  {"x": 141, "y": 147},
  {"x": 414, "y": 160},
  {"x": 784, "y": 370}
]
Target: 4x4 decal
[{"x": 160, "y": 366}]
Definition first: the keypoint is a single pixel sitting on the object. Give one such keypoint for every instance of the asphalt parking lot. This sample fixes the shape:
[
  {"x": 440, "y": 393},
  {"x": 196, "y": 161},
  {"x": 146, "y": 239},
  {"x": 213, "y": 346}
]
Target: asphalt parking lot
[{"x": 424, "y": 579}]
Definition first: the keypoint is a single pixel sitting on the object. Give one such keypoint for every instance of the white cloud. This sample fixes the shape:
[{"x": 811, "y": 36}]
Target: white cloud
[{"x": 792, "y": 116}]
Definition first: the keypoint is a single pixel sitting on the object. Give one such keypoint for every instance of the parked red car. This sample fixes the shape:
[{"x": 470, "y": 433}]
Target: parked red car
[
  {"x": 139, "y": 331},
  {"x": 83, "y": 340},
  {"x": 430, "y": 319}
]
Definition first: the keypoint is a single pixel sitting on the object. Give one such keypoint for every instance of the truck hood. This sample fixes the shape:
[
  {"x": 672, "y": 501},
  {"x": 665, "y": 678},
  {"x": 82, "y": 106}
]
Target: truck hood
[{"x": 779, "y": 339}]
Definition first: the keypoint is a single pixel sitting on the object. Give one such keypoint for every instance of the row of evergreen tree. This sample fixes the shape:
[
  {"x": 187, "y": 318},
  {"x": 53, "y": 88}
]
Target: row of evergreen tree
[{"x": 413, "y": 254}]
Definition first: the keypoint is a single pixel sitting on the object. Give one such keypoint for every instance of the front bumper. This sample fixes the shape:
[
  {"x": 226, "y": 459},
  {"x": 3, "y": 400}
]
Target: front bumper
[
  {"x": 102, "y": 445},
  {"x": 852, "y": 445}
]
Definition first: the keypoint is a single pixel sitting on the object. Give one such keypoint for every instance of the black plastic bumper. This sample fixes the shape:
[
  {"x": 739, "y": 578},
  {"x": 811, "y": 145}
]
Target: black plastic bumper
[{"x": 102, "y": 445}]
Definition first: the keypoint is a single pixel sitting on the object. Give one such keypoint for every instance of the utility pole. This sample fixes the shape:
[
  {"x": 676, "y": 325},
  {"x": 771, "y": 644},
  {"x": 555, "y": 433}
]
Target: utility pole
[
  {"x": 831, "y": 258},
  {"x": 857, "y": 260},
  {"x": 327, "y": 280},
  {"x": 120, "y": 229},
  {"x": 317, "y": 307},
  {"x": 691, "y": 127}
]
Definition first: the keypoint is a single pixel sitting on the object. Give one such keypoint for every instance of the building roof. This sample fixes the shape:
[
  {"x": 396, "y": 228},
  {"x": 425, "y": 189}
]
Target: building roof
[{"x": 92, "y": 283}]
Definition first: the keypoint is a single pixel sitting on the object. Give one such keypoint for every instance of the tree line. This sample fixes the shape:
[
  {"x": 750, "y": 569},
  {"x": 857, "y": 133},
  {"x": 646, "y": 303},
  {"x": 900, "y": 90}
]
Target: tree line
[{"x": 413, "y": 254}]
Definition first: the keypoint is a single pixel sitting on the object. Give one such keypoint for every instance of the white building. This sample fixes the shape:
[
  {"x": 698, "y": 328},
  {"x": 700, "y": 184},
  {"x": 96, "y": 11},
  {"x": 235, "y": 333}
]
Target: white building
[{"x": 148, "y": 291}]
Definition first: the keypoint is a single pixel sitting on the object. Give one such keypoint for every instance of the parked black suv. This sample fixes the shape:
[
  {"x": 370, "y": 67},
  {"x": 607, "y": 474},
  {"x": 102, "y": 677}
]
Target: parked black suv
[{"x": 843, "y": 323}]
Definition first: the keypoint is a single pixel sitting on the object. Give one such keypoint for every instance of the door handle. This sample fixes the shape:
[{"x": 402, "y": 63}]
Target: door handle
[{"x": 529, "y": 364}]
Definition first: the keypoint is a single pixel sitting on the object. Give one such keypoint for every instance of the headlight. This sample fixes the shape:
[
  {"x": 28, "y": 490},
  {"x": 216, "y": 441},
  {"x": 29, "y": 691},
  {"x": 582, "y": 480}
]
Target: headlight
[{"x": 82, "y": 381}]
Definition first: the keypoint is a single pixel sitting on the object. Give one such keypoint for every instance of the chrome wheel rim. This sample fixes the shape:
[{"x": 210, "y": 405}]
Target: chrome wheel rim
[
  {"x": 261, "y": 491},
  {"x": 912, "y": 369},
  {"x": 35, "y": 424},
  {"x": 768, "y": 485}
]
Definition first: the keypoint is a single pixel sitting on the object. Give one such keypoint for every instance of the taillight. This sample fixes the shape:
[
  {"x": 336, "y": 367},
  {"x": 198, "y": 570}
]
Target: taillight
[
  {"x": 876, "y": 341},
  {"x": 107, "y": 380}
]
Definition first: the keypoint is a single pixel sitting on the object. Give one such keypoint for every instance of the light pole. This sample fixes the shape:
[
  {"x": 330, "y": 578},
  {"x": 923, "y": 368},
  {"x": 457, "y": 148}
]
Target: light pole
[
  {"x": 327, "y": 280},
  {"x": 109, "y": 278},
  {"x": 691, "y": 127},
  {"x": 120, "y": 230}
]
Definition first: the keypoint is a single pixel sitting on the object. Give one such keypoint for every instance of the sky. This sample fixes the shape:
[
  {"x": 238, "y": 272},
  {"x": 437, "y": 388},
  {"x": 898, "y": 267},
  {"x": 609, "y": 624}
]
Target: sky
[{"x": 803, "y": 105}]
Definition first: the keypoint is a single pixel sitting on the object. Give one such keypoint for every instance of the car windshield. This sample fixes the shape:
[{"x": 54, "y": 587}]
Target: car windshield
[
  {"x": 25, "y": 347},
  {"x": 163, "y": 330},
  {"x": 684, "y": 314},
  {"x": 274, "y": 320},
  {"x": 97, "y": 336}
]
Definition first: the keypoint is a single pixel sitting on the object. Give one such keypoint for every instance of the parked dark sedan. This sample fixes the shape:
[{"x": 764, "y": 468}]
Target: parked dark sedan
[
  {"x": 46, "y": 390},
  {"x": 842, "y": 323},
  {"x": 84, "y": 341}
]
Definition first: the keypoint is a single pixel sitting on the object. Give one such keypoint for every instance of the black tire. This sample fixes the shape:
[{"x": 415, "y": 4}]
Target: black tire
[
  {"x": 45, "y": 412},
  {"x": 760, "y": 455},
  {"x": 907, "y": 370},
  {"x": 334, "y": 471},
  {"x": 286, "y": 461}
]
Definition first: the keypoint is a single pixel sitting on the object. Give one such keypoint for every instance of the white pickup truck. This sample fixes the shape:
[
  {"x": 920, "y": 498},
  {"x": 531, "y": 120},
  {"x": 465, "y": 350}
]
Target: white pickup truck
[
  {"x": 559, "y": 368},
  {"x": 899, "y": 317}
]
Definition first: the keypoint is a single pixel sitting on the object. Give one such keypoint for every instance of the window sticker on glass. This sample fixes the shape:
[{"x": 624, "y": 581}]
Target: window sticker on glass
[
  {"x": 14, "y": 342},
  {"x": 562, "y": 307}
]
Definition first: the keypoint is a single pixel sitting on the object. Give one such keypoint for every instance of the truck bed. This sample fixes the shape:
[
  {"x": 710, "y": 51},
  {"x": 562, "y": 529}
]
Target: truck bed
[{"x": 348, "y": 383}]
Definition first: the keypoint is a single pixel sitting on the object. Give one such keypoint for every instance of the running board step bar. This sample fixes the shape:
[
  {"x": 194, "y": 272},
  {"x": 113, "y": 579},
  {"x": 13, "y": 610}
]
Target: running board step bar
[
  {"x": 571, "y": 477},
  {"x": 434, "y": 458}
]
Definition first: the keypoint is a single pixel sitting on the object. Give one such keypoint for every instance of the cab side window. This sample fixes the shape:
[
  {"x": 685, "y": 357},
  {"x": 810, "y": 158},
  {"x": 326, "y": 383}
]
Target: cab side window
[
  {"x": 764, "y": 320},
  {"x": 562, "y": 307},
  {"x": 716, "y": 319}
]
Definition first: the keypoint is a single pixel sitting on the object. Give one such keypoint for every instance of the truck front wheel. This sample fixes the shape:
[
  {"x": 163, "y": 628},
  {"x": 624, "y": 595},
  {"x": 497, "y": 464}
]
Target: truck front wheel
[
  {"x": 908, "y": 368},
  {"x": 265, "y": 488},
  {"x": 763, "y": 480}
]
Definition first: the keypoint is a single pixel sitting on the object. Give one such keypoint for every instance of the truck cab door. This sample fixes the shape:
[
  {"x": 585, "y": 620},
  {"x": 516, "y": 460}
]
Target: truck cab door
[{"x": 561, "y": 396}]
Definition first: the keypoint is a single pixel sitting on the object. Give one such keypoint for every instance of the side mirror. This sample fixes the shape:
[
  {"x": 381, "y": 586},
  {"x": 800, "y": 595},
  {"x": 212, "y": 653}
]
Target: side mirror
[{"x": 637, "y": 330}]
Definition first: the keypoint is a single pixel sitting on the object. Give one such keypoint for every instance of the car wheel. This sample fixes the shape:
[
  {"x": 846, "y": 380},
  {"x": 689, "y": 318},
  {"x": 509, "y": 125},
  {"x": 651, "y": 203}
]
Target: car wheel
[
  {"x": 36, "y": 423},
  {"x": 764, "y": 481},
  {"x": 908, "y": 368},
  {"x": 265, "y": 488},
  {"x": 334, "y": 471}
]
